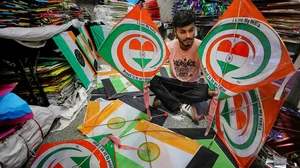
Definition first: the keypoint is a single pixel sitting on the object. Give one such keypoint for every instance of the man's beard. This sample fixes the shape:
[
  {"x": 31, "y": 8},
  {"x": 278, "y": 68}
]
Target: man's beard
[{"x": 182, "y": 41}]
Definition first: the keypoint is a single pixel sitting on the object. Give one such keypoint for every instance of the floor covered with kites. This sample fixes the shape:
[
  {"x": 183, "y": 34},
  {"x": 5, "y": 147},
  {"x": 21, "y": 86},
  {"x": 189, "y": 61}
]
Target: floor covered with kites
[{"x": 74, "y": 75}]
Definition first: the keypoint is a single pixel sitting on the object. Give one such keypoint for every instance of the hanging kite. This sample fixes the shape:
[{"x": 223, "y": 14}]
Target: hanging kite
[
  {"x": 242, "y": 51},
  {"x": 135, "y": 48},
  {"x": 243, "y": 122},
  {"x": 87, "y": 153}
]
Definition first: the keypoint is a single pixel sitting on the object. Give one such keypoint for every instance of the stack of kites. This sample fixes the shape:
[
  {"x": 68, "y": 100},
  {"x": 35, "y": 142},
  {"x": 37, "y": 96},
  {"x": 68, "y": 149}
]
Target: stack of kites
[
  {"x": 117, "y": 10},
  {"x": 32, "y": 13},
  {"x": 284, "y": 18},
  {"x": 54, "y": 74},
  {"x": 57, "y": 77},
  {"x": 54, "y": 13},
  {"x": 206, "y": 13},
  {"x": 58, "y": 81},
  {"x": 200, "y": 7},
  {"x": 14, "y": 111},
  {"x": 14, "y": 13},
  {"x": 153, "y": 9}
]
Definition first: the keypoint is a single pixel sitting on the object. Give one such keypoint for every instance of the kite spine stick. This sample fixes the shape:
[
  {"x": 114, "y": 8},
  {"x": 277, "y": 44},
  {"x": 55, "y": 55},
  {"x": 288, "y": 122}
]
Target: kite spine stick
[
  {"x": 263, "y": 117},
  {"x": 228, "y": 112}
]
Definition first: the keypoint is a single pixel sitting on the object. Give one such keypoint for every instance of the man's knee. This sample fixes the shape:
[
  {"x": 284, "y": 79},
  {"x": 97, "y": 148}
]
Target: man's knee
[{"x": 155, "y": 81}]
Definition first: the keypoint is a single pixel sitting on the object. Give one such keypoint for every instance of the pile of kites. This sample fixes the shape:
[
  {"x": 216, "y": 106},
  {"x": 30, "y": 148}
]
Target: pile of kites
[
  {"x": 284, "y": 18},
  {"x": 201, "y": 7},
  {"x": 32, "y": 13}
]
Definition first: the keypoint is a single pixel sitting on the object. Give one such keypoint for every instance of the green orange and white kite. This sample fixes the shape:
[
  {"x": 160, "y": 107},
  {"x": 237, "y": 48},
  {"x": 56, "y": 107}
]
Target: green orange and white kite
[
  {"x": 243, "y": 122},
  {"x": 243, "y": 52},
  {"x": 135, "y": 48},
  {"x": 66, "y": 42},
  {"x": 87, "y": 153}
]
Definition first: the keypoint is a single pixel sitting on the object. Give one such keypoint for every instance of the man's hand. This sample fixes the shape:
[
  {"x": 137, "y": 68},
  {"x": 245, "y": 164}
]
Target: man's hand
[
  {"x": 147, "y": 86},
  {"x": 212, "y": 93}
]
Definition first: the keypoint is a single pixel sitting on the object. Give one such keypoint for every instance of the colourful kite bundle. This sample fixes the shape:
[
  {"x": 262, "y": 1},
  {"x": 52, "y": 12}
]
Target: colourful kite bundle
[
  {"x": 14, "y": 13},
  {"x": 33, "y": 13},
  {"x": 200, "y": 7},
  {"x": 284, "y": 18}
]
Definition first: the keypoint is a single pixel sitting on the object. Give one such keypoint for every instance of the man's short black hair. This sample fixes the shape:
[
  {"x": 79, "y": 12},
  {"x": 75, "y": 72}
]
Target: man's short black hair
[{"x": 183, "y": 18}]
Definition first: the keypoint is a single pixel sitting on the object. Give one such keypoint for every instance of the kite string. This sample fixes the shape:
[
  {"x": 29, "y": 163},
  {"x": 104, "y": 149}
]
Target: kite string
[
  {"x": 148, "y": 151},
  {"x": 230, "y": 52},
  {"x": 227, "y": 62},
  {"x": 143, "y": 56}
]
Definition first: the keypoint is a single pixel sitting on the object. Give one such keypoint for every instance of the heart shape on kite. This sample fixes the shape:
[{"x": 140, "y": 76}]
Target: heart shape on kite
[
  {"x": 141, "y": 53},
  {"x": 232, "y": 58}
]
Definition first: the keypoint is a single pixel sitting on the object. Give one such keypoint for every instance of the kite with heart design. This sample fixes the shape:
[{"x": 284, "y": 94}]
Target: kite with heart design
[
  {"x": 243, "y": 122},
  {"x": 243, "y": 52},
  {"x": 135, "y": 48}
]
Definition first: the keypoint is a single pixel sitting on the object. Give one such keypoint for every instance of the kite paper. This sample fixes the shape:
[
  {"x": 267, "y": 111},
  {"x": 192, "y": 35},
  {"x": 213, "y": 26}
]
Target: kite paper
[
  {"x": 87, "y": 153},
  {"x": 243, "y": 123},
  {"x": 90, "y": 55},
  {"x": 119, "y": 83},
  {"x": 117, "y": 118},
  {"x": 242, "y": 51},
  {"x": 135, "y": 48},
  {"x": 159, "y": 147},
  {"x": 94, "y": 107},
  {"x": 100, "y": 33},
  {"x": 165, "y": 71},
  {"x": 88, "y": 39},
  {"x": 66, "y": 43},
  {"x": 212, "y": 142}
]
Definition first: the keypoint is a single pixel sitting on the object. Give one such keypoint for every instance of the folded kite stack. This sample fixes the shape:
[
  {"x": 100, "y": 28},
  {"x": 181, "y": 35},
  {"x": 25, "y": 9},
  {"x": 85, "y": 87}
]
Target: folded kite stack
[
  {"x": 117, "y": 10},
  {"x": 153, "y": 9},
  {"x": 58, "y": 81},
  {"x": 207, "y": 13},
  {"x": 14, "y": 13},
  {"x": 32, "y": 13},
  {"x": 284, "y": 17},
  {"x": 54, "y": 13},
  {"x": 201, "y": 7}
]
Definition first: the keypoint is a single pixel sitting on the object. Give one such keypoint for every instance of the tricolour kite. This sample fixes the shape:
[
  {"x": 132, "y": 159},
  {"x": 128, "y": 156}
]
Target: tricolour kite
[
  {"x": 87, "y": 153},
  {"x": 66, "y": 42},
  {"x": 243, "y": 122},
  {"x": 135, "y": 48},
  {"x": 83, "y": 31},
  {"x": 242, "y": 51},
  {"x": 160, "y": 147},
  {"x": 116, "y": 118}
]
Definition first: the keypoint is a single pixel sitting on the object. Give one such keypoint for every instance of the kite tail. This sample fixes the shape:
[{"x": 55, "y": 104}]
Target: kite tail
[
  {"x": 211, "y": 114},
  {"x": 287, "y": 78},
  {"x": 117, "y": 142},
  {"x": 147, "y": 100}
]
